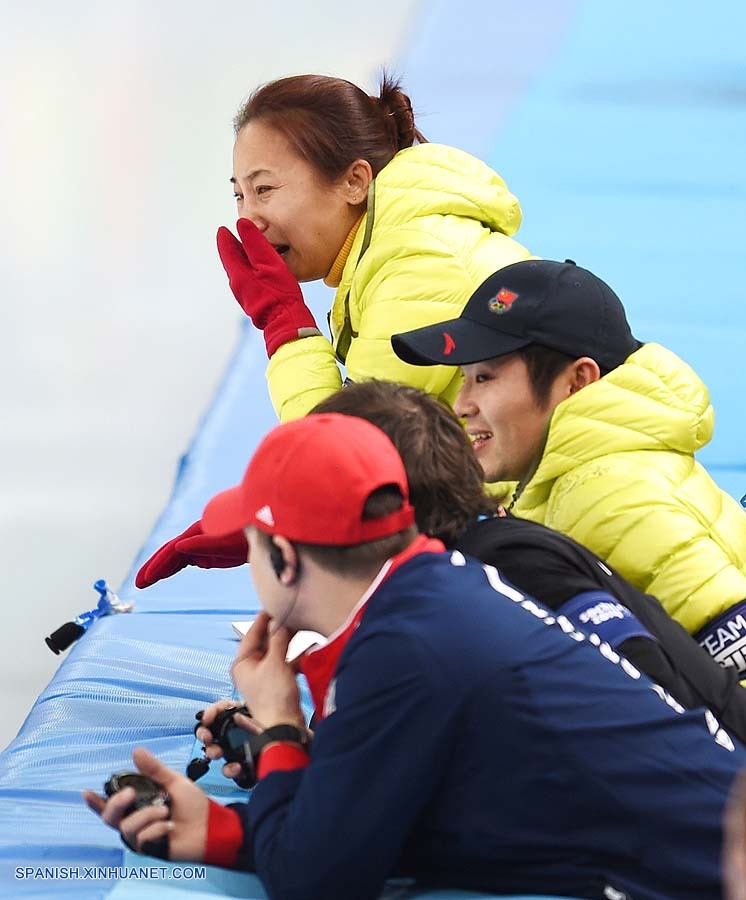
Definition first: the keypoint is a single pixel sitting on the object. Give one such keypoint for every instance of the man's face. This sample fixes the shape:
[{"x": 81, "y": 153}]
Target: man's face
[{"x": 504, "y": 420}]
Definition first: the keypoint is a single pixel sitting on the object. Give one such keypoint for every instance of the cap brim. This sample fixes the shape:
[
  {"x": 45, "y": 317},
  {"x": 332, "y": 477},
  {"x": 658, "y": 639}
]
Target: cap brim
[
  {"x": 456, "y": 342},
  {"x": 225, "y": 513}
]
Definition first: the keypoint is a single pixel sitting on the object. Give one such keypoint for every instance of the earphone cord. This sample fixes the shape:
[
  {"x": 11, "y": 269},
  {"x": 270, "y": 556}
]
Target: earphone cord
[{"x": 276, "y": 626}]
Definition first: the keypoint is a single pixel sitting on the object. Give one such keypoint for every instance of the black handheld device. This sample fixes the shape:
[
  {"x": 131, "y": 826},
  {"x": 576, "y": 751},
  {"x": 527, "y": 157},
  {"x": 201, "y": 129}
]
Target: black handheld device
[{"x": 147, "y": 793}]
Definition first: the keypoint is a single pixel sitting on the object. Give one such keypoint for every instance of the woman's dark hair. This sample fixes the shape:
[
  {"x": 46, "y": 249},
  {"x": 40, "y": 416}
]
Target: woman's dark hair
[
  {"x": 446, "y": 483},
  {"x": 331, "y": 122}
]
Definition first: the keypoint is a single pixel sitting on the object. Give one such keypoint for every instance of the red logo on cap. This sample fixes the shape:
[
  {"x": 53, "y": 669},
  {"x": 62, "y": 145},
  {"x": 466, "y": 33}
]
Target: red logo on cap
[
  {"x": 502, "y": 301},
  {"x": 449, "y": 345}
]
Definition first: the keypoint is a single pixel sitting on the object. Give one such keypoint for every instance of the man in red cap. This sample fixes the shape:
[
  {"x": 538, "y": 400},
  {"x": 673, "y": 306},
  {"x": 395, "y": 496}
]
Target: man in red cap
[{"x": 467, "y": 737}]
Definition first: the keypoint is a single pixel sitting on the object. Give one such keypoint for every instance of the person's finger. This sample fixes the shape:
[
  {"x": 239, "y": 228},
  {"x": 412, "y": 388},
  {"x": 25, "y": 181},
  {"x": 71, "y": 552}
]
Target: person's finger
[
  {"x": 205, "y": 736},
  {"x": 200, "y": 547},
  {"x": 164, "y": 563},
  {"x": 254, "y": 642},
  {"x": 213, "y": 751},
  {"x": 152, "y": 766},
  {"x": 230, "y": 250},
  {"x": 231, "y": 770},
  {"x": 248, "y": 723},
  {"x": 116, "y": 807},
  {"x": 153, "y": 833},
  {"x": 209, "y": 714},
  {"x": 94, "y": 801},
  {"x": 140, "y": 818},
  {"x": 279, "y": 643},
  {"x": 133, "y": 826}
]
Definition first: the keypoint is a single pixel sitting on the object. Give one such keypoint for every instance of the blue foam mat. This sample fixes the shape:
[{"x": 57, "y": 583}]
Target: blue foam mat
[{"x": 548, "y": 81}]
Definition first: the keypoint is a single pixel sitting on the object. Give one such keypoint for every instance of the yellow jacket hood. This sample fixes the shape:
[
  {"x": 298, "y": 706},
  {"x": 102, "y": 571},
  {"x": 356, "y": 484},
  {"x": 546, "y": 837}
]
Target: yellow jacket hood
[
  {"x": 654, "y": 401},
  {"x": 433, "y": 179}
]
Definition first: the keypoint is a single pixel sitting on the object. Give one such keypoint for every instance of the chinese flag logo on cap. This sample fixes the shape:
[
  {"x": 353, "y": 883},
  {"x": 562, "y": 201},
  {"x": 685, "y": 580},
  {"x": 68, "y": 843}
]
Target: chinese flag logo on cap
[{"x": 502, "y": 301}]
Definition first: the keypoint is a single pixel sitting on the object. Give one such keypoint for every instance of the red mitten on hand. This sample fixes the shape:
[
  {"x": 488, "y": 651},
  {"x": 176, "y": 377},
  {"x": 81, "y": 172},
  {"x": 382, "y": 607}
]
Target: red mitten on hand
[
  {"x": 194, "y": 548},
  {"x": 264, "y": 287}
]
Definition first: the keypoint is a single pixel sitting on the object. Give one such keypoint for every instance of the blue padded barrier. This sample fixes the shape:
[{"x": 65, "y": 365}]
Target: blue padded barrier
[{"x": 139, "y": 679}]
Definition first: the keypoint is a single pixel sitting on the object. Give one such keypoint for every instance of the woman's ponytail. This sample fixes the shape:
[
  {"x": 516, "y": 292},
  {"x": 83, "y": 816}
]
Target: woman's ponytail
[{"x": 399, "y": 116}]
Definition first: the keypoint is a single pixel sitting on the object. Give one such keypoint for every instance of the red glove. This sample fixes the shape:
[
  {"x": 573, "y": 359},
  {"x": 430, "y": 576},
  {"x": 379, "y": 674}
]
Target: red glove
[
  {"x": 194, "y": 548},
  {"x": 264, "y": 286}
]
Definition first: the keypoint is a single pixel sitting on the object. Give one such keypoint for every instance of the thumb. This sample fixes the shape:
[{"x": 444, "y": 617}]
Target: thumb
[
  {"x": 141, "y": 579},
  {"x": 255, "y": 640},
  {"x": 150, "y": 765},
  {"x": 230, "y": 250}
]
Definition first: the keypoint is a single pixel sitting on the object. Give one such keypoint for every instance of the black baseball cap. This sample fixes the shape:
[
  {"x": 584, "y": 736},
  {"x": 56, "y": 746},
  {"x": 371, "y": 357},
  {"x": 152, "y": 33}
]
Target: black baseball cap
[{"x": 557, "y": 305}]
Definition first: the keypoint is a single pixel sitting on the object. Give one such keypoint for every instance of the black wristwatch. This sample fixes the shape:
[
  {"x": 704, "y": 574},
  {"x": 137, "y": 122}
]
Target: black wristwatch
[
  {"x": 285, "y": 733},
  {"x": 255, "y": 744}
]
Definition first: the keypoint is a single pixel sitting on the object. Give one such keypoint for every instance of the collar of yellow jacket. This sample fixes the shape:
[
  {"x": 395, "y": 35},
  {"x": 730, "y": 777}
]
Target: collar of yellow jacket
[{"x": 334, "y": 275}]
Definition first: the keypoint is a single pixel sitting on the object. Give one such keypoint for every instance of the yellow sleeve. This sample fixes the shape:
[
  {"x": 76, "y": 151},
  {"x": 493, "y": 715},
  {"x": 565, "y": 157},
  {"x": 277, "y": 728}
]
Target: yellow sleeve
[
  {"x": 301, "y": 374},
  {"x": 653, "y": 533},
  {"x": 405, "y": 292}
]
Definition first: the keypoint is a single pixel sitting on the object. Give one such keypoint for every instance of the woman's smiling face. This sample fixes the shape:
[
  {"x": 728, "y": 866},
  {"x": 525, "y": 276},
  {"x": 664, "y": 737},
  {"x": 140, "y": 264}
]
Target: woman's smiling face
[{"x": 303, "y": 215}]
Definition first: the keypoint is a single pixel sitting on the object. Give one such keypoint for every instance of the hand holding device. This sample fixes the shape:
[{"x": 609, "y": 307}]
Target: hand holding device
[
  {"x": 241, "y": 740},
  {"x": 174, "y": 826}
]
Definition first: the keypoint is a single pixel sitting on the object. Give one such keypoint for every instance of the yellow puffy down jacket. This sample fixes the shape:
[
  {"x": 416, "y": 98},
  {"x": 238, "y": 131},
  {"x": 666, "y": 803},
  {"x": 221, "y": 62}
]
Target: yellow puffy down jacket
[
  {"x": 437, "y": 224},
  {"x": 618, "y": 474}
]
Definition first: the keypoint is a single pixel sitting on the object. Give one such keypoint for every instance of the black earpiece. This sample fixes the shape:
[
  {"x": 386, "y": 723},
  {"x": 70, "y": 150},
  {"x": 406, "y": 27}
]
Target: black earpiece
[{"x": 276, "y": 559}]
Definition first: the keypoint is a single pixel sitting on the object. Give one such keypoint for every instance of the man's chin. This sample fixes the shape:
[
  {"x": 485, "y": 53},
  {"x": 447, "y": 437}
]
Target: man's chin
[
  {"x": 494, "y": 476},
  {"x": 500, "y": 485}
]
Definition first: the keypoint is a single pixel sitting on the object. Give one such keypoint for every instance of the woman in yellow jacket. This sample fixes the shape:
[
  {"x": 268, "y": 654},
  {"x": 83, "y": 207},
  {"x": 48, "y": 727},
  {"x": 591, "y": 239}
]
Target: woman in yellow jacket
[
  {"x": 333, "y": 184},
  {"x": 336, "y": 185}
]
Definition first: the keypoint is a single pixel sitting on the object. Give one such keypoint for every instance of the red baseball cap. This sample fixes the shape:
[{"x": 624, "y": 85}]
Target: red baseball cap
[{"x": 309, "y": 480}]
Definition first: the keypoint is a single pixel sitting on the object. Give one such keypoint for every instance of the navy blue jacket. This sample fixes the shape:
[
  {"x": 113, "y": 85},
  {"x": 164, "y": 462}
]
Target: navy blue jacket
[
  {"x": 478, "y": 742},
  {"x": 568, "y": 579}
]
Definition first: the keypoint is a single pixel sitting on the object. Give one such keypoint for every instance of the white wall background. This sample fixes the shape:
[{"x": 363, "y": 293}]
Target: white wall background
[{"x": 115, "y": 153}]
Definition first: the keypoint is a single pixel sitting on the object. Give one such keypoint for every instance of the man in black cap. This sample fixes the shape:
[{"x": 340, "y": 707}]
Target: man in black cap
[{"x": 600, "y": 432}]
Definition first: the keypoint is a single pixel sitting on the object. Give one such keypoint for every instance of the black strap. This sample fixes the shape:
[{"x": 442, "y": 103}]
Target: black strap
[
  {"x": 285, "y": 733},
  {"x": 255, "y": 744}
]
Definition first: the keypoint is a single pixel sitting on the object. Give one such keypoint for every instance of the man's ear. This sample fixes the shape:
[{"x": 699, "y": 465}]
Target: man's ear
[
  {"x": 356, "y": 181},
  {"x": 583, "y": 371},
  {"x": 284, "y": 559}
]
